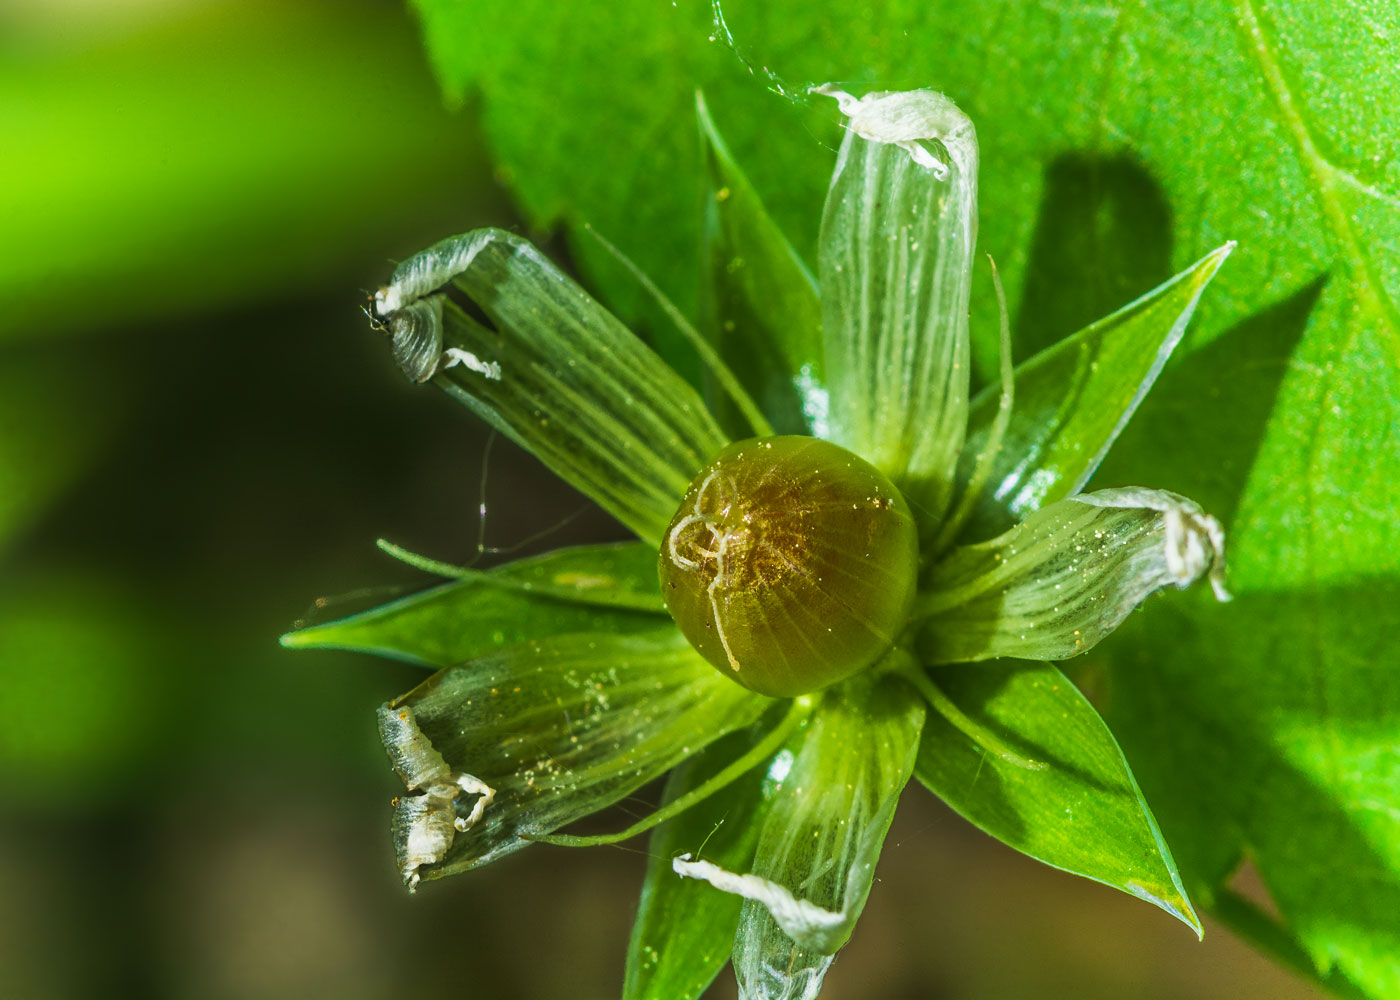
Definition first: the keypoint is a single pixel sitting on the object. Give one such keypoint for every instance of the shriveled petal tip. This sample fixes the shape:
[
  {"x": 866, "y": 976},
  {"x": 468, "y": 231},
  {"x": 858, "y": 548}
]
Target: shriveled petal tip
[
  {"x": 1195, "y": 541},
  {"x": 416, "y": 333},
  {"x": 428, "y": 270},
  {"x": 906, "y": 118},
  {"x": 1057, "y": 583},
  {"x": 425, "y": 824}
]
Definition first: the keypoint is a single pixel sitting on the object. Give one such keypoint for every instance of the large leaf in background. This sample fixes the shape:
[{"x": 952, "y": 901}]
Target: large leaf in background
[
  {"x": 69, "y": 705},
  {"x": 54, "y": 418},
  {"x": 1118, "y": 145}
]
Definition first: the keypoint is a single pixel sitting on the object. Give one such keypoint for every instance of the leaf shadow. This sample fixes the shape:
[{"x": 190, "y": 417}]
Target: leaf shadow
[
  {"x": 1199, "y": 430},
  {"x": 1103, "y": 237},
  {"x": 1264, "y": 725}
]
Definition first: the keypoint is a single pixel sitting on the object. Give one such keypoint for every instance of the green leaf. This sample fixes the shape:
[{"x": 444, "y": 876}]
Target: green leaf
[
  {"x": 1063, "y": 579},
  {"x": 1083, "y": 813},
  {"x": 592, "y": 588},
  {"x": 1264, "y": 728},
  {"x": 758, "y": 301},
  {"x": 1308, "y": 780},
  {"x": 560, "y": 375},
  {"x": 611, "y": 574},
  {"x": 559, "y": 728},
  {"x": 761, "y": 752},
  {"x": 896, "y": 251},
  {"x": 1073, "y": 399},
  {"x": 684, "y": 930},
  {"x": 1118, "y": 146},
  {"x": 823, "y": 836}
]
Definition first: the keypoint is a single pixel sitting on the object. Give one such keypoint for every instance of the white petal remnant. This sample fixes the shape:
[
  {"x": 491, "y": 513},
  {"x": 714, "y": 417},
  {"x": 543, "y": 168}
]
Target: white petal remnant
[
  {"x": 428, "y": 270},
  {"x": 424, "y": 825},
  {"x": 806, "y": 923},
  {"x": 907, "y": 119},
  {"x": 413, "y": 313},
  {"x": 1195, "y": 541},
  {"x": 457, "y": 356}
]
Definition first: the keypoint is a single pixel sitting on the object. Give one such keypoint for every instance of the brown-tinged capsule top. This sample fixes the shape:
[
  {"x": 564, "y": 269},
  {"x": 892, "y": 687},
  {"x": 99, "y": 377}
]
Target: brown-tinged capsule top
[{"x": 791, "y": 564}]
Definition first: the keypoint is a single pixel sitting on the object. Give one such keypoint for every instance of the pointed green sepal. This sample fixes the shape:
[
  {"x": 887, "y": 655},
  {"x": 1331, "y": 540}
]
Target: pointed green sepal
[
  {"x": 758, "y": 301},
  {"x": 1082, "y": 812},
  {"x": 591, "y": 588},
  {"x": 1073, "y": 399}
]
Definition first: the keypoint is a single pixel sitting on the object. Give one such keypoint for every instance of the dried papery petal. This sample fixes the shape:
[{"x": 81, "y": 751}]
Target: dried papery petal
[
  {"x": 425, "y": 824},
  {"x": 816, "y": 857}
]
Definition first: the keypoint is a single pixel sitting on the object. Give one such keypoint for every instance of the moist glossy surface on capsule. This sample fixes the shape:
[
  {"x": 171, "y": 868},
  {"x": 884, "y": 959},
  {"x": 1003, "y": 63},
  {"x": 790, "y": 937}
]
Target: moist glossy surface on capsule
[{"x": 791, "y": 564}]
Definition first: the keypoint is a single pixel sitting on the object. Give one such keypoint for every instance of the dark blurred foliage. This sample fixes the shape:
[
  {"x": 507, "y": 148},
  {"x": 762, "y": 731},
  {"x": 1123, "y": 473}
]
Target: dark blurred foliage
[{"x": 199, "y": 434}]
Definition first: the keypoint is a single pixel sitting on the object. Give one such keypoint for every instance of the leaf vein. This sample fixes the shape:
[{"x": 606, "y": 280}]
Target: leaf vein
[{"x": 1325, "y": 177}]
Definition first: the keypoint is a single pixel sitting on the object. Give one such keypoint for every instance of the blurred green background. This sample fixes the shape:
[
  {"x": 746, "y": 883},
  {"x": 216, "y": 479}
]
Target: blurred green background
[{"x": 199, "y": 432}]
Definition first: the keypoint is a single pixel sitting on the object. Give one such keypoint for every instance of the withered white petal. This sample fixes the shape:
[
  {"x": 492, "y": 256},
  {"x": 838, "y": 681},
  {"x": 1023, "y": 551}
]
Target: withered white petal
[
  {"x": 424, "y": 825},
  {"x": 428, "y": 270},
  {"x": 805, "y": 922},
  {"x": 895, "y": 258},
  {"x": 1195, "y": 540},
  {"x": 906, "y": 119}
]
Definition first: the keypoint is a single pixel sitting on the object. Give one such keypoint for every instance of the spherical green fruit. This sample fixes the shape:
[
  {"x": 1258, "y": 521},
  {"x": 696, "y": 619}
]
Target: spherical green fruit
[{"x": 791, "y": 564}]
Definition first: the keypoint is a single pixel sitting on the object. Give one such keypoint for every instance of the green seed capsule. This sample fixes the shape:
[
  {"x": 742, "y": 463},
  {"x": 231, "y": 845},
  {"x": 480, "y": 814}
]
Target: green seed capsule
[{"x": 791, "y": 564}]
